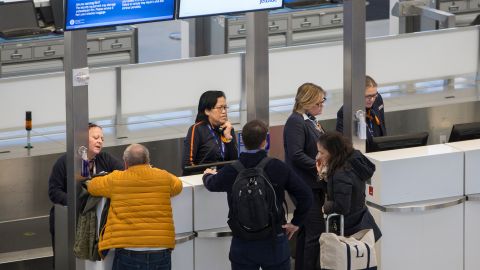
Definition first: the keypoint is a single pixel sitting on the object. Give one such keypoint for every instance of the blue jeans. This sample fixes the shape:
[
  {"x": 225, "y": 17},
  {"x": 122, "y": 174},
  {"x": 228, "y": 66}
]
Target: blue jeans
[
  {"x": 268, "y": 254},
  {"x": 142, "y": 260}
]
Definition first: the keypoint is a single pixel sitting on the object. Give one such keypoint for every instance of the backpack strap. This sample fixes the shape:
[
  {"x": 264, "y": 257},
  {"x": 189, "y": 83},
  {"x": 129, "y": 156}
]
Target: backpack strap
[
  {"x": 263, "y": 162},
  {"x": 238, "y": 166}
]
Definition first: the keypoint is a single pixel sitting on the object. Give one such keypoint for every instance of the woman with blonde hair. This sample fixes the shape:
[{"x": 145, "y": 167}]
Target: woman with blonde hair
[{"x": 300, "y": 136}]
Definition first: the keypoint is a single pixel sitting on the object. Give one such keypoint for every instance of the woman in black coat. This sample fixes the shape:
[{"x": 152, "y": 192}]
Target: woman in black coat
[
  {"x": 300, "y": 136},
  {"x": 346, "y": 171}
]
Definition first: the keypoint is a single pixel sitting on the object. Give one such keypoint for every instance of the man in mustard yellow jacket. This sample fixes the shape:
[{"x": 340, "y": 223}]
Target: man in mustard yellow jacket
[{"x": 140, "y": 220}]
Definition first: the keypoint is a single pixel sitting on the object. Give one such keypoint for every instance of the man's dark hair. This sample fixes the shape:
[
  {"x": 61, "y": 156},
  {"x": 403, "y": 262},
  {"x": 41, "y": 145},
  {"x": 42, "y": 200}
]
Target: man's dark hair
[
  {"x": 253, "y": 134},
  {"x": 207, "y": 101}
]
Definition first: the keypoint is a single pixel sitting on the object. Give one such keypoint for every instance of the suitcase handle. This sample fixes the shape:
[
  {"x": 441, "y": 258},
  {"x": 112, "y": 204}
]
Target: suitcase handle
[{"x": 341, "y": 223}]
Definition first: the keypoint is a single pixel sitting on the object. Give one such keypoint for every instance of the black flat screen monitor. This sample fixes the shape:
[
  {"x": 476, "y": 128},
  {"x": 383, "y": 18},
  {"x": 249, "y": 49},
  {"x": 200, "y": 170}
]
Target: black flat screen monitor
[
  {"x": 17, "y": 15},
  {"x": 83, "y": 14},
  {"x": 57, "y": 11},
  {"x": 198, "y": 8},
  {"x": 306, "y": 3},
  {"x": 398, "y": 141},
  {"x": 463, "y": 132}
]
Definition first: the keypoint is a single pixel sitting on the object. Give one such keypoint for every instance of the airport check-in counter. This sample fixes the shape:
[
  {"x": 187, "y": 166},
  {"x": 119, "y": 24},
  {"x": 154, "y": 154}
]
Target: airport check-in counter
[
  {"x": 416, "y": 196},
  {"x": 182, "y": 206},
  {"x": 471, "y": 151},
  {"x": 210, "y": 212}
]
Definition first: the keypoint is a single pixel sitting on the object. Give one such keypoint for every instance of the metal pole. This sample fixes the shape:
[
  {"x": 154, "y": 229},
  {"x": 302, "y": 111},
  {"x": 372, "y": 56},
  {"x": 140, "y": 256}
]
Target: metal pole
[
  {"x": 256, "y": 66},
  {"x": 353, "y": 67},
  {"x": 76, "y": 94}
]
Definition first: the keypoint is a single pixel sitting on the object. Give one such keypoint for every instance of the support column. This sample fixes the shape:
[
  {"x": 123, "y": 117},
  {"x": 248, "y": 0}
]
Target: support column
[
  {"x": 76, "y": 95},
  {"x": 256, "y": 67},
  {"x": 353, "y": 68}
]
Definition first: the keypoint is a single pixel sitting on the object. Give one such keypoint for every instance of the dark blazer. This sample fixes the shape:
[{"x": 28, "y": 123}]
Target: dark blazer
[
  {"x": 346, "y": 194},
  {"x": 300, "y": 143},
  {"x": 57, "y": 183},
  {"x": 377, "y": 130},
  {"x": 202, "y": 147}
]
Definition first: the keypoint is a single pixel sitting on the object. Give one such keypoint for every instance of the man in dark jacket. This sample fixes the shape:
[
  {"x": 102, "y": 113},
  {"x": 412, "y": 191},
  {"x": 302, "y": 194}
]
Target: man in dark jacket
[
  {"x": 99, "y": 162},
  {"x": 268, "y": 253},
  {"x": 375, "y": 113}
]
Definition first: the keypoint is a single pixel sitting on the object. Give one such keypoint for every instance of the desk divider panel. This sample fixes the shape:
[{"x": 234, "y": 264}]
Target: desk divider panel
[{"x": 178, "y": 84}]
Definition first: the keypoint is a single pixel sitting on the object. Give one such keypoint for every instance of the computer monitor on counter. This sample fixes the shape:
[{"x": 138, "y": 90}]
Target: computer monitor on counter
[
  {"x": 463, "y": 132},
  {"x": 398, "y": 141}
]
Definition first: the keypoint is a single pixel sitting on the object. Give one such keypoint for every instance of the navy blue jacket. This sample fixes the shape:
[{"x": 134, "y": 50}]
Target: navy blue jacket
[
  {"x": 281, "y": 177},
  {"x": 373, "y": 130},
  {"x": 300, "y": 138}
]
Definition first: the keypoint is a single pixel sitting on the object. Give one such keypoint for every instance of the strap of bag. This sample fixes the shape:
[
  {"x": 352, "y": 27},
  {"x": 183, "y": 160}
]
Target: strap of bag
[
  {"x": 263, "y": 163},
  {"x": 349, "y": 257},
  {"x": 238, "y": 166},
  {"x": 368, "y": 255}
]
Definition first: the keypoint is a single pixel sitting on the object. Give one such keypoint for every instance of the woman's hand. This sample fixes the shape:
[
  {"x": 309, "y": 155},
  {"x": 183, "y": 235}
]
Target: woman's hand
[{"x": 227, "y": 130}]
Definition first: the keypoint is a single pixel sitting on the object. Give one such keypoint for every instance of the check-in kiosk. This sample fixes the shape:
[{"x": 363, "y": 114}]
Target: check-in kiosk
[
  {"x": 416, "y": 197},
  {"x": 210, "y": 213},
  {"x": 471, "y": 151}
]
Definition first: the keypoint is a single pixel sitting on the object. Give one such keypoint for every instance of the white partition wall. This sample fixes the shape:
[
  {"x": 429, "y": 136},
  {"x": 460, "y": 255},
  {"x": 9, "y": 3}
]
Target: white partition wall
[
  {"x": 392, "y": 59},
  {"x": 178, "y": 84}
]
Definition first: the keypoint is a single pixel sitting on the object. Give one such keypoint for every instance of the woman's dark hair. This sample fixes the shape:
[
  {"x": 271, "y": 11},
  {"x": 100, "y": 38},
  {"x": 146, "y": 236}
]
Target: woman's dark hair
[
  {"x": 253, "y": 134},
  {"x": 207, "y": 101},
  {"x": 339, "y": 148}
]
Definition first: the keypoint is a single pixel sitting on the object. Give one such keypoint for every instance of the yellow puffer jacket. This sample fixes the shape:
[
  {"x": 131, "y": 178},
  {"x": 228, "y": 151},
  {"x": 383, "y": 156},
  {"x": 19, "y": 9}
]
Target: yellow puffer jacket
[{"x": 140, "y": 213}]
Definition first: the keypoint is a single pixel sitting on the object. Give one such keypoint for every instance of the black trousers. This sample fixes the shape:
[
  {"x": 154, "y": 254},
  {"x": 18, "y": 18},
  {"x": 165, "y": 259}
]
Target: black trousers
[{"x": 308, "y": 248}]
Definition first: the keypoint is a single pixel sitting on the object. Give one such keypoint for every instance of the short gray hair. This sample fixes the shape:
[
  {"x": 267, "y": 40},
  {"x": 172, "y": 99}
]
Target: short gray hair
[{"x": 136, "y": 154}]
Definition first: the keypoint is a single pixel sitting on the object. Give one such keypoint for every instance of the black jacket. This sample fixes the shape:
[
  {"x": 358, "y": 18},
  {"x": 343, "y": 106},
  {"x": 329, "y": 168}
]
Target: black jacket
[
  {"x": 202, "y": 147},
  {"x": 57, "y": 184},
  {"x": 282, "y": 178},
  {"x": 300, "y": 143},
  {"x": 346, "y": 194},
  {"x": 373, "y": 130}
]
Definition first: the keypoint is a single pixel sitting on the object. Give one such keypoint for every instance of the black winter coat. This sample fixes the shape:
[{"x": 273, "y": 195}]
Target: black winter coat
[{"x": 346, "y": 194}]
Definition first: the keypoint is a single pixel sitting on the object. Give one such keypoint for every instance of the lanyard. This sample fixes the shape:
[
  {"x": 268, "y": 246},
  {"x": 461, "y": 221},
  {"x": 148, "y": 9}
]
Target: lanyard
[{"x": 219, "y": 141}]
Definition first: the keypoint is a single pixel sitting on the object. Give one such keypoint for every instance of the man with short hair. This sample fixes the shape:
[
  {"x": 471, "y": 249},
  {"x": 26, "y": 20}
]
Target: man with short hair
[
  {"x": 140, "y": 219},
  {"x": 272, "y": 252}
]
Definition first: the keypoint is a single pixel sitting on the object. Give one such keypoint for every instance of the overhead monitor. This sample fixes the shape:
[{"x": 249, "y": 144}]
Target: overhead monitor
[
  {"x": 463, "y": 132},
  {"x": 17, "y": 15},
  {"x": 198, "y": 8},
  {"x": 398, "y": 141},
  {"x": 82, "y": 14}
]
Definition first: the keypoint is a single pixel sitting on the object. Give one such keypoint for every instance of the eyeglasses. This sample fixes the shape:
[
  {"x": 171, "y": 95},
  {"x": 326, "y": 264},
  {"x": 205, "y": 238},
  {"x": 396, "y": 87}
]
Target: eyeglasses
[
  {"x": 371, "y": 96},
  {"x": 321, "y": 102},
  {"x": 221, "y": 108}
]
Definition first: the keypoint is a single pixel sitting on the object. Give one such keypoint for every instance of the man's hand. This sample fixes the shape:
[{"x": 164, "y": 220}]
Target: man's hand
[
  {"x": 290, "y": 229},
  {"x": 227, "y": 130},
  {"x": 210, "y": 171}
]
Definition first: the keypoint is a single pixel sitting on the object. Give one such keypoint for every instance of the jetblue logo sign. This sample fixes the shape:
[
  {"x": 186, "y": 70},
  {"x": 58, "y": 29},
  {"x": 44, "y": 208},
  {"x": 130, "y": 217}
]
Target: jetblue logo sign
[{"x": 267, "y": 1}]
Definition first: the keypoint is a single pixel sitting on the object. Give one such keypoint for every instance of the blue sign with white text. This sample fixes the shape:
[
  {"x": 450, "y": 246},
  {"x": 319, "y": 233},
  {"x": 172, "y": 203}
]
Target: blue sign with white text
[{"x": 82, "y": 14}]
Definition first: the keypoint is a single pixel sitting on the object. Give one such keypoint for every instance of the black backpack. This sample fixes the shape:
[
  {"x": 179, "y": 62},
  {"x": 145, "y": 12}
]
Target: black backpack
[{"x": 255, "y": 213}]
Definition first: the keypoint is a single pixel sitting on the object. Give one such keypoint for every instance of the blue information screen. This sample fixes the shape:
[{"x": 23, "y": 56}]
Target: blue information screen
[{"x": 80, "y": 14}]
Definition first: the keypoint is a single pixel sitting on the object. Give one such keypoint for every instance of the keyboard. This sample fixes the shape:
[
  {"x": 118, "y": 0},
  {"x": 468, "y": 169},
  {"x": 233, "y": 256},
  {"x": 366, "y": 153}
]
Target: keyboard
[{"x": 23, "y": 32}]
